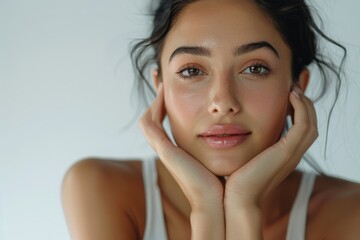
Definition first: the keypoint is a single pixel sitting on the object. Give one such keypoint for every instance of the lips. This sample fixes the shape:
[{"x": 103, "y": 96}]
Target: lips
[{"x": 224, "y": 136}]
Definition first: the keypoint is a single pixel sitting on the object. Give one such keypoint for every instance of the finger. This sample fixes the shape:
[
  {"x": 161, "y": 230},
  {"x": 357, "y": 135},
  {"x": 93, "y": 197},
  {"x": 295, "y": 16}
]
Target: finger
[
  {"x": 301, "y": 135},
  {"x": 286, "y": 154},
  {"x": 158, "y": 106},
  {"x": 151, "y": 121},
  {"x": 308, "y": 121},
  {"x": 312, "y": 113},
  {"x": 278, "y": 161},
  {"x": 302, "y": 122},
  {"x": 182, "y": 166},
  {"x": 151, "y": 125}
]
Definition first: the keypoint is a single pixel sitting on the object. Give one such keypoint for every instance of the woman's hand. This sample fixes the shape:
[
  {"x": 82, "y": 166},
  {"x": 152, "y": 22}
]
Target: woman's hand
[
  {"x": 246, "y": 187},
  {"x": 202, "y": 188}
]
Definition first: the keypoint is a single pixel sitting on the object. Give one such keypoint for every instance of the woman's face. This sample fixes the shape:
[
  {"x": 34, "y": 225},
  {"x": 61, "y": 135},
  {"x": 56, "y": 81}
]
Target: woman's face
[{"x": 227, "y": 78}]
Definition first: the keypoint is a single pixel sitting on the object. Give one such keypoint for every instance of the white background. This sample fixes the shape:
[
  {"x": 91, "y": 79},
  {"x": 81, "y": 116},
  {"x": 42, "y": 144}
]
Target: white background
[{"x": 65, "y": 84}]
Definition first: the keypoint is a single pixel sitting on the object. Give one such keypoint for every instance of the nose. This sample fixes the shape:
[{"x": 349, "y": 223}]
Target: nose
[{"x": 224, "y": 98}]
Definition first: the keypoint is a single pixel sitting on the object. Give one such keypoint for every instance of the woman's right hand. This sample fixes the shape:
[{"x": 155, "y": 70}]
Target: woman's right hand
[{"x": 201, "y": 187}]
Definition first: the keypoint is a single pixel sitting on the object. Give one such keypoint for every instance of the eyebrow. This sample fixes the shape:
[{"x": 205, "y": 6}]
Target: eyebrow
[
  {"x": 203, "y": 51},
  {"x": 198, "y": 51},
  {"x": 246, "y": 48}
]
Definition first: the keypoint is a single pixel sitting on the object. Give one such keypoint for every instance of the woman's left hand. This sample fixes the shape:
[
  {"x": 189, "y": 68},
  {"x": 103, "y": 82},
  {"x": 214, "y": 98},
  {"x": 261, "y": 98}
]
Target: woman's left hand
[{"x": 248, "y": 186}]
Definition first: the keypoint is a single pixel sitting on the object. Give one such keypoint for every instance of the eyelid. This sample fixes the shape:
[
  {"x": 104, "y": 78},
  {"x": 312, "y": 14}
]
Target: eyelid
[
  {"x": 260, "y": 63},
  {"x": 189, "y": 66}
]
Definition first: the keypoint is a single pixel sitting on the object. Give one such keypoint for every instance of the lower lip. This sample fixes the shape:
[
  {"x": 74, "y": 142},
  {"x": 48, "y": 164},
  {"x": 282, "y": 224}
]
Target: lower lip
[{"x": 224, "y": 142}]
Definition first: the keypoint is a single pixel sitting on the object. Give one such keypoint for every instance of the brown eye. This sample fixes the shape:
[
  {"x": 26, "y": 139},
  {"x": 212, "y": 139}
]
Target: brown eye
[
  {"x": 189, "y": 72},
  {"x": 257, "y": 69}
]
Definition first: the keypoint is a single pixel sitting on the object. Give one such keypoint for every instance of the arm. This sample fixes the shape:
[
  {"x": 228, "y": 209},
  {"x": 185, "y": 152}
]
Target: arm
[
  {"x": 338, "y": 214},
  {"x": 91, "y": 205},
  {"x": 207, "y": 222},
  {"x": 202, "y": 188},
  {"x": 243, "y": 222},
  {"x": 348, "y": 227},
  {"x": 248, "y": 186}
]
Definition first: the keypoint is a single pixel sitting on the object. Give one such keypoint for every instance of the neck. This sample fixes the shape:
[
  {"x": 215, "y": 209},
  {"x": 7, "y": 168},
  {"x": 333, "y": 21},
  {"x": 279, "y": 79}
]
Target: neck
[
  {"x": 173, "y": 197},
  {"x": 278, "y": 204}
]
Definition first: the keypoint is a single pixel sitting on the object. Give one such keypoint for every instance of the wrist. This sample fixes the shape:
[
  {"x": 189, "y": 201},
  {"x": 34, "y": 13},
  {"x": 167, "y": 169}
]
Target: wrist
[
  {"x": 243, "y": 220},
  {"x": 207, "y": 205},
  {"x": 241, "y": 201},
  {"x": 208, "y": 223}
]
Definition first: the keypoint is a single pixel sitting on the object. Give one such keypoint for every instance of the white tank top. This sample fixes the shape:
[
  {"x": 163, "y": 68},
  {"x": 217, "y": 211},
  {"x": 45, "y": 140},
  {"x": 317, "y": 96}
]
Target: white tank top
[
  {"x": 297, "y": 219},
  {"x": 155, "y": 224}
]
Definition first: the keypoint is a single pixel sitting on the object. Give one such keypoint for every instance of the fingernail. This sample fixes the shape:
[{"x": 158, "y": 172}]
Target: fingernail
[
  {"x": 159, "y": 87},
  {"x": 297, "y": 91}
]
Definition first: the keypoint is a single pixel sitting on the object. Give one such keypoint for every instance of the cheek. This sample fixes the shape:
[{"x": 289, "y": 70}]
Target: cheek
[
  {"x": 183, "y": 108},
  {"x": 270, "y": 110},
  {"x": 179, "y": 103}
]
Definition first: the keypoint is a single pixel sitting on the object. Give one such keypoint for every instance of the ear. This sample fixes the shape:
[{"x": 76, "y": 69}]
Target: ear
[
  {"x": 303, "y": 80},
  {"x": 156, "y": 78}
]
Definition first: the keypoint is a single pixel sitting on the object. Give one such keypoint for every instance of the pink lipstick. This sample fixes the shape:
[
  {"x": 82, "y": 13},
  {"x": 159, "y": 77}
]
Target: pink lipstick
[{"x": 224, "y": 136}]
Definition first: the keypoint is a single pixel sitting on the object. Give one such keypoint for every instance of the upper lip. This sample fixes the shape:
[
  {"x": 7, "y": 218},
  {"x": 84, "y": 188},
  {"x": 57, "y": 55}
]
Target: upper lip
[{"x": 224, "y": 129}]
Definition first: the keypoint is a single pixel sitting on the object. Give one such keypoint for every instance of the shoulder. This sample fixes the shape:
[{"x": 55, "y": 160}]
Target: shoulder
[
  {"x": 104, "y": 175},
  {"x": 102, "y": 197},
  {"x": 334, "y": 211},
  {"x": 104, "y": 169}
]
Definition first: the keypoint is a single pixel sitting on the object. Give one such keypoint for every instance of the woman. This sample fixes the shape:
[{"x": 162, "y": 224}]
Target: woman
[{"x": 228, "y": 75}]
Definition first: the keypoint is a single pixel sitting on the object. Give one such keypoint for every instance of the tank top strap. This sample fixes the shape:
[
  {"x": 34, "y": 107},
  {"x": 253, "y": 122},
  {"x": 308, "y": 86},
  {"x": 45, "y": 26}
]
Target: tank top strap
[
  {"x": 155, "y": 224},
  {"x": 297, "y": 220}
]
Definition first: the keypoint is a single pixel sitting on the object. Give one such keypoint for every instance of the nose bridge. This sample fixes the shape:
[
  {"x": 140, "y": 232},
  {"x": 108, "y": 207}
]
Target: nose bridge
[{"x": 224, "y": 97}]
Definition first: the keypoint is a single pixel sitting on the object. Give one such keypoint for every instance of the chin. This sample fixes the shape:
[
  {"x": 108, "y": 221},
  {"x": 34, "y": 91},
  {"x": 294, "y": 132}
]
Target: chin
[
  {"x": 222, "y": 172},
  {"x": 223, "y": 165}
]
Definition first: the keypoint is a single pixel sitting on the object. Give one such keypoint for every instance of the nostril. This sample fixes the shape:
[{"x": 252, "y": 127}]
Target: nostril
[{"x": 224, "y": 108}]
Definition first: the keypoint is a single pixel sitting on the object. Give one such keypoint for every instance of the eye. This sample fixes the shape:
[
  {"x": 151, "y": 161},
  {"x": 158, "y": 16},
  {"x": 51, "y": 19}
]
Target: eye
[
  {"x": 189, "y": 72},
  {"x": 257, "y": 69}
]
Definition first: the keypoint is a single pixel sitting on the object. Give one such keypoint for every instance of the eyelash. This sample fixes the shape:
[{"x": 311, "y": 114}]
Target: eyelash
[
  {"x": 257, "y": 64},
  {"x": 188, "y": 67}
]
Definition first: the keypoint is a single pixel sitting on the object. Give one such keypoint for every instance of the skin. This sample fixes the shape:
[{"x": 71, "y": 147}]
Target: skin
[
  {"x": 225, "y": 91},
  {"x": 259, "y": 103},
  {"x": 255, "y": 197}
]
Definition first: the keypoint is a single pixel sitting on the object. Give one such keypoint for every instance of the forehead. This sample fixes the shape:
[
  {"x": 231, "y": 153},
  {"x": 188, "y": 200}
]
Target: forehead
[{"x": 223, "y": 24}]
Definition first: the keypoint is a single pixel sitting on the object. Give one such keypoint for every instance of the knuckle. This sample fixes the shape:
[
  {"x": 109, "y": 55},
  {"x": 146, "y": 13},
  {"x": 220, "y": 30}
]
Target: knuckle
[
  {"x": 304, "y": 126},
  {"x": 313, "y": 130},
  {"x": 315, "y": 134},
  {"x": 143, "y": 123}
]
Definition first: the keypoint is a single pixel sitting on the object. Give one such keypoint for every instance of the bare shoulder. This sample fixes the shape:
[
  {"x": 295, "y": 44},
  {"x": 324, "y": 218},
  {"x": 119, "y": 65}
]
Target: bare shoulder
[
  {"x": 104, "y": 199},
  {"x": 334, "y": 211}
]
